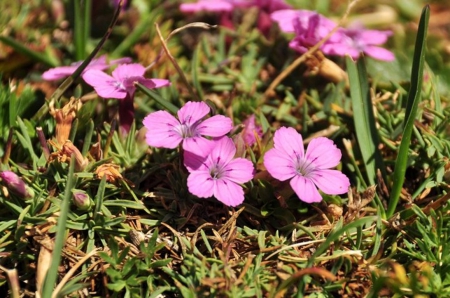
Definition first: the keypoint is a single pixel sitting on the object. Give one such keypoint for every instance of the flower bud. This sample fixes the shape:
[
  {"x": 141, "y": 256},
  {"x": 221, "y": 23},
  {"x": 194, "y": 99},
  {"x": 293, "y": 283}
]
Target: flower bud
[
  {"x": 16, "y": 185},
  {"x": 81, "y": 199}
]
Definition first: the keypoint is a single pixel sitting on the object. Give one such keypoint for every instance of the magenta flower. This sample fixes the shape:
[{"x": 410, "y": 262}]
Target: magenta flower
[
  {"x": 251, "y": 130},
  {"x": 287, "y": 160},
  {"x": 16, "y": 185},
  {"x": 220, "y": 174},
  {"x": 62, "y": 72},
  {"x": 165, "y": 131},
  {"x": 228, "y": 6},
  {"x": 121, "y": 86},
  {"x": 358, "y": 40},
  {"x": 311, "y": 27}
]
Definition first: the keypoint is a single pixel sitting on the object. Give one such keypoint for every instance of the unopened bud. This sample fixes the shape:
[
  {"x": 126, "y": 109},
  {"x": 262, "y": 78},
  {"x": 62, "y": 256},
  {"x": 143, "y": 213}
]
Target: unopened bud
[
  {"x": 16, "y": 185},
  {"x": 81, "y": 199}
]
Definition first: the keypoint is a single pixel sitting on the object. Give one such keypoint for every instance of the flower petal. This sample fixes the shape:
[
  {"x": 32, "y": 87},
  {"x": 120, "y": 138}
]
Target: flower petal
[
  {"x": 207, "y": 5},
  {"x": 192, "y": 111},
  {"x": 239, "y": 170},
  {"x": 125, "y": 71},
  {"x": 323, "y": 153},
  {"x": 215, "y": 126},
  {"x": 160, "y": 130},
  {"x": 201, "y": 184},
  {"x": 193, "y": 162},
  {"x": 305, "y": 189},
  {"x": 58, "y": 73},
  {"x": 198, "y": 145},
  {"x": 279, "y": 165},
  {"x": 222, "y": 152},
  {"x": 105, "y": 85},
  {"x": 379, "y": 53},
  {"x": 228, "y": 192},
  {"x": 331, "y": 182},
  {"x": 289, "y": 141}
]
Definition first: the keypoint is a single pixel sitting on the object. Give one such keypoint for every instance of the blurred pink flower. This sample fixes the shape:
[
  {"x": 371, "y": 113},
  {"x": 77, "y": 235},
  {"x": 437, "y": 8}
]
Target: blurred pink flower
[
  {"x": 164, "y": 130},
  {"x": 227, "y": 6},
  {"x": 287, "y": 160},
  {"x": 122, "y": 81},
  {"x": 220, "y": 174},
  {"x": 121, "y": 86},
  {"x": 62, "y": 72},
  {"x": 16, "y": 185},
  {"x": 355, "y": 41},
  {"x": 251, "y": 130},
  {"x": 311, "y": 27}
]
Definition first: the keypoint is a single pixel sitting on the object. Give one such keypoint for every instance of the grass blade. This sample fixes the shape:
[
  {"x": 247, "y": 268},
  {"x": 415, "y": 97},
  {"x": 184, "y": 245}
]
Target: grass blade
[
  {"x": 414, "y": 96},
  {"x": 52, "y": 273}
]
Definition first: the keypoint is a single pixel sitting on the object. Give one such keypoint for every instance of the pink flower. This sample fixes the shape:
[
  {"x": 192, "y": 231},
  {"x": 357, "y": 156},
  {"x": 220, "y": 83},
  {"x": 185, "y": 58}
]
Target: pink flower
[
  {"x": 251, "y": 130},
  {"x": 311, "y": 27},
  {"x": 121, "y": 86},
  {"x": 287, "y": 160},
  {"x": 207, "y": 5},
  {"x": 164, "y": 130},
  {"x": 220, "y": 174},
  {"x": 121, "y": 82},
  {"x": 62, "y": 72},
  {"x": 359, "y": 40},
  {"x": 16, "y": 185}
]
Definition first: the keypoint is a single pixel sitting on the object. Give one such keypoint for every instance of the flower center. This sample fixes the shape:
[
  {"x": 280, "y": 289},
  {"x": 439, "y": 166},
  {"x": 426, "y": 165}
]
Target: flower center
[
  {"x": 303, "y": 166},
  {"x": 188, "y": 131},
  {"x": 216, "y": 170}
]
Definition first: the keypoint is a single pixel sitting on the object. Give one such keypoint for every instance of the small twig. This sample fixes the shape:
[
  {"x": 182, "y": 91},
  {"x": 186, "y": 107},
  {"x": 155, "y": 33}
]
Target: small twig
[
  {"x": 177, "y": 67},
  {"x": 43, "y": 142},
  {"x": 8, "y": 147},
  {"x": 269, "y": 92},
  {"x": 13, "y": 280}
]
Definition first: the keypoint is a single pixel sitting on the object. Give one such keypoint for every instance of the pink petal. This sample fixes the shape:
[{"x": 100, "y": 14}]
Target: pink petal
[
  {"x": 123, "y": 60},
  {"x": 373, "y": 37},
  {"x": 323, "y": 153},
  {"x": 207, "y": 5},
  {"x": 57, "y": 73},
  {"x": 193, "y": 162},
  {"x": 160, "y": 130},
  {"x": 289, "y": 141},
  {"x": 105, "y": 85},
  {"x": 228, "y": 192},
  {"x": 125, "y": 71},
  {"x": 215, "y": 126},
  {"x": 305, "y": 189},
  {"x": 198, "y": 145},
  {"x": 239, "y": 170},
  {"x": 192, "y": 111},
  {"x": 159, "y": 82},
  {"x": 201, "y": 184},
  {"x": 379, "y": 53},
  {"x": 285, "y": 19},
  {"x": 331, "y": 182},
  {"x": 279, "y": 165},
  {"x": 222, "y": 152}
]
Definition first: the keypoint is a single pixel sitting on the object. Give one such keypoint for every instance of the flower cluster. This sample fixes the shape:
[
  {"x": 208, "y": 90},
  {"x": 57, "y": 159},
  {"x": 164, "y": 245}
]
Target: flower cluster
[
  {"x": 226, "y": 7},
  {"x": 119, "y": 85},
  {"x": 209, "y": 156},
  {"x": 310, "y": 27}
]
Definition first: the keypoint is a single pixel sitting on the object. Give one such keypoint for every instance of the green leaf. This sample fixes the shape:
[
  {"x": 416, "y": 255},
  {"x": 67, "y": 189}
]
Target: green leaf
[{"x": 412, "y": 104}]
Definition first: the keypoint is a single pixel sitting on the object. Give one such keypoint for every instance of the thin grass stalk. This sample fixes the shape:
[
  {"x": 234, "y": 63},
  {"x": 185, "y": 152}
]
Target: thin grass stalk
[
  {"x": 412, "y": 104},
  {"x": 52, "y": 273}
]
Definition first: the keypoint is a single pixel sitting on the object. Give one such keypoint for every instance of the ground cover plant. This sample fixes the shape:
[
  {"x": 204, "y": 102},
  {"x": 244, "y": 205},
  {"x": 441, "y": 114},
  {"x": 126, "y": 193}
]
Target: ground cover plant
[{"x": 224, "y": 148}]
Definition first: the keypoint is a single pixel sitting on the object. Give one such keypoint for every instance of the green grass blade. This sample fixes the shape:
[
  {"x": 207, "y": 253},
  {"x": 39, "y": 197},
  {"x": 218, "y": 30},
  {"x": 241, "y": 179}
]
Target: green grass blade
[
  {"x": 363, "y": 117},
  {"x": 52, "y": 273},
  {"x": 158, "y": 98},
  {"x": 20, "y": 48},
  {"x": 414, "y": 96}
]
